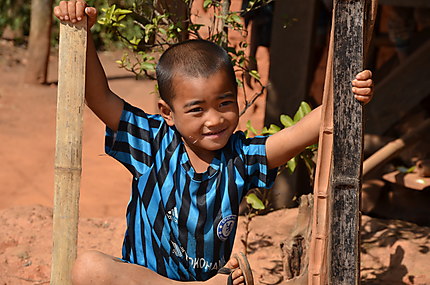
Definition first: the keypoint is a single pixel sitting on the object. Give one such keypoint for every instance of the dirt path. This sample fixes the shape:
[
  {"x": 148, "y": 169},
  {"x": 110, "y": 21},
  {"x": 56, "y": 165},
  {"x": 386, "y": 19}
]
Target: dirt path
[{"x": 27, "y": 122}]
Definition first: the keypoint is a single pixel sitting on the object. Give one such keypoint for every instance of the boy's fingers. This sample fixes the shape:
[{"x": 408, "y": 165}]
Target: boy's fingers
[
  {"x": 63, "y": 11},
  {"x": 92, "y": 15},
  {"x": 364, "y": 75},
  {"x": 238, "y": 281},
  {"x": 237, "y": 273},
  {"x": 362, "y": 83},
  {"x": 363, "y": 99},
  {"x": 80, "y": 10},
  {"x": 91, "y": 12},
  {"x": 57, "y": 13},
  {"x": 71, "y": 8},
  {"x": 362, "y": 91}
]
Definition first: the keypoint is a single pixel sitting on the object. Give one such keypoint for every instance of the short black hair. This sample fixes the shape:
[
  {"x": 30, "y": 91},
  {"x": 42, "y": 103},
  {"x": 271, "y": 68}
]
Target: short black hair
[{"x": 194, "y": 58}]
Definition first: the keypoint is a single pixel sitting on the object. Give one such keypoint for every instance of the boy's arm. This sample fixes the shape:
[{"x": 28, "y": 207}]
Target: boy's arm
[
  {"x": 98, "y": 96},
  {"x": 289, "y": 142}
]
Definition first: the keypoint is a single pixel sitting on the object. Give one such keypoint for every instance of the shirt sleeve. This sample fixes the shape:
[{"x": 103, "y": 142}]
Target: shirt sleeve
[
  {"x": 131, "y": 143},
  {"x": 255, "y": 161}
]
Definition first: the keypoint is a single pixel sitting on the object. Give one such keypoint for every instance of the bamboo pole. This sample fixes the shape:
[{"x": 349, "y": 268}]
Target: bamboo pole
[
  {"x": 320, "y": 221},
  {"x": 68, "y": 153}
]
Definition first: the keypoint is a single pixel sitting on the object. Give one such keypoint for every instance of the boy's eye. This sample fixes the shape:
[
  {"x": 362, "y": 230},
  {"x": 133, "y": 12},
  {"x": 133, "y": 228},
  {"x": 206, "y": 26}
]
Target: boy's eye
[
  {"x": 226, "y": 103},
  {"x": 195, "y": 110}
]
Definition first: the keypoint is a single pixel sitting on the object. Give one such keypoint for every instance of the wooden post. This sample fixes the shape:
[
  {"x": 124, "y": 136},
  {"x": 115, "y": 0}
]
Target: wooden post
[
  {"x": 68, "y": 154},
  {"x": 345, "y": 180}
]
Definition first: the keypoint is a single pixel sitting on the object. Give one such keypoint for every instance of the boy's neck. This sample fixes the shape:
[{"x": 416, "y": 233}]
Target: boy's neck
[{"x": 199, "y": 159}]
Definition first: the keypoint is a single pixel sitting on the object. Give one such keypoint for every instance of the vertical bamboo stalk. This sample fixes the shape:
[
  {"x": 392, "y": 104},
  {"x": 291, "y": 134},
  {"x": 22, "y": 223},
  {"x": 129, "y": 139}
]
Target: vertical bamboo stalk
[
  {"x": 320, "y": 221},
  {"x": 68, "y": 154}
]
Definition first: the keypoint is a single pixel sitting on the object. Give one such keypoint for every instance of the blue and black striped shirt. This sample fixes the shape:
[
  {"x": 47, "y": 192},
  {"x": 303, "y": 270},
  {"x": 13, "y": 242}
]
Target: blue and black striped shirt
[{"x": 180, "y": 223}]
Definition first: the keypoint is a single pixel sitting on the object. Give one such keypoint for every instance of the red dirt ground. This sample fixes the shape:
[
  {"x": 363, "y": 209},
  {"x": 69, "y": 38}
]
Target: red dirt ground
[{"x": 393, "y": 252}]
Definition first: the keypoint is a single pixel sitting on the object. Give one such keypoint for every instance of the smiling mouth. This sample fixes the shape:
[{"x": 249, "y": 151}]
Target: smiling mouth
[{"x": 214, "y": 133}]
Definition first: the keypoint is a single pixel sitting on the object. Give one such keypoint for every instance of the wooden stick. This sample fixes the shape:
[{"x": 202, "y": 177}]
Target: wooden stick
[
  {"x": 395, "y": 147},
  {"x": 68, "y": 153},
  {"x": 347, "y": 156}
]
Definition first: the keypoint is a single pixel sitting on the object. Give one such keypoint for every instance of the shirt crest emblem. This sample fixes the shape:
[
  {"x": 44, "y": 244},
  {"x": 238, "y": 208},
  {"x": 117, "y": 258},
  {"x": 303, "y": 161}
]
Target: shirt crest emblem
[{"x": 226, "y": 226}]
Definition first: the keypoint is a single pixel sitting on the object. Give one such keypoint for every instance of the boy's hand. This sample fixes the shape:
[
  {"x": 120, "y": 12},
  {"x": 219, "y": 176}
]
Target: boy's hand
[
  {"x": 363, "y": 86},
  {"x": 75, "y": 11}
]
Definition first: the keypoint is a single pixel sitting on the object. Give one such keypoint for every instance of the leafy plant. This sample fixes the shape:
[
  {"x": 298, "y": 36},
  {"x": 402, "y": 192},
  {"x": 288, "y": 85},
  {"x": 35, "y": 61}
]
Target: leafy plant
[
  {"x": 15, "y": 15},
  {"x": 307, "y": 155},
  {"x": 148, "y": 28}
]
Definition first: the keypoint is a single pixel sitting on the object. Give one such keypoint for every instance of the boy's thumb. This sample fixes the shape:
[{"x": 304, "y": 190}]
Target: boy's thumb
[{"x": 91, "y": 12}]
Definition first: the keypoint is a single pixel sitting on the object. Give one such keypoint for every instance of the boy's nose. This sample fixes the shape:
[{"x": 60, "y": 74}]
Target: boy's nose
[{"x": 214, "y": 118}]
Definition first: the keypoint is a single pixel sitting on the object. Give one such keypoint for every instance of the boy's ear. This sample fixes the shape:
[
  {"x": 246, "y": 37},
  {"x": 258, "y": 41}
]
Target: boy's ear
[{"x": 166, "y": 112}]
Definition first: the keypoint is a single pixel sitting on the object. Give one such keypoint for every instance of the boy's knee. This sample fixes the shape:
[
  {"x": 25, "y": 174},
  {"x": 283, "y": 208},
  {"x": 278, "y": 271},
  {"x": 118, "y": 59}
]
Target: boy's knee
[{"x": 89, "y": 268}]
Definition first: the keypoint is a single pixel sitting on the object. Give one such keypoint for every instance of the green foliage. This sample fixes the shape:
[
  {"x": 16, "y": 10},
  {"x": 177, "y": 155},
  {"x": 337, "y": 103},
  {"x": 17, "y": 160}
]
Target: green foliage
[
  {"x": 404, "y": 169},
  {"x": 144, "y": 26},
  {"x": 113, "y": 16},
  {"x": 255, "y": 202},
  {"x": 307, "y": 155},
  {"x": 16, "y": 15}
]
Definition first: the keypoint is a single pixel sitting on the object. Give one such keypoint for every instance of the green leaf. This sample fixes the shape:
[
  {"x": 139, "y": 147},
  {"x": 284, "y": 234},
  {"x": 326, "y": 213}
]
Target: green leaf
[
  {"x": 135, "y": 41},
  {"x": 147, "y": 66},
  {"x": 231, "y": 50},
  {"x": 303, "y": 110},
  {"x": 251, "y": 128},
  {"x": 255, "y": 74},
  {"x": 123, "y": 11},
  {"x": 255, "y": 202},
  {"x": 207, "y": 3},
  {"x": 236, "y": 18},
  {"x": 239, "y": 83},
  {"x": 291, "y": 165},
  {"x": 273, "y": 129},
  {"x": 403, "y": 169},
  {"x": 286, "y": 121}
]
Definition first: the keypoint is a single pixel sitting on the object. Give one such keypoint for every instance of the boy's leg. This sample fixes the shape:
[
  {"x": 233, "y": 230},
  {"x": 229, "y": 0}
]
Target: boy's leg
[{"x": 93, "y": 267}]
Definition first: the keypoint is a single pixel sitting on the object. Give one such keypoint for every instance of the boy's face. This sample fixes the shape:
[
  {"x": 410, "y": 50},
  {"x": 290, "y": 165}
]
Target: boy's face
[{"x": 205, "y": 110}]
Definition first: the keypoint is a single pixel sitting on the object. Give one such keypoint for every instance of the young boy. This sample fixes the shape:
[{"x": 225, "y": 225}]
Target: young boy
[{"x": 190, "y": 170}]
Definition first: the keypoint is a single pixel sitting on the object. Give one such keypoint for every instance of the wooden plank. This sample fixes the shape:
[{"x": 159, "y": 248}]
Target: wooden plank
[
  {"x": 400, "y": 91},
  {"x": 347, "y": 155},
  {"x": 68, "y": 153}
]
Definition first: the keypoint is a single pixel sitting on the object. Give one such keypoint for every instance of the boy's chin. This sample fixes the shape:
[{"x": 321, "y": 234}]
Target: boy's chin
[{"x": 213, "y": 146}]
